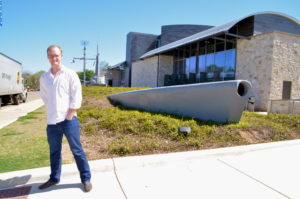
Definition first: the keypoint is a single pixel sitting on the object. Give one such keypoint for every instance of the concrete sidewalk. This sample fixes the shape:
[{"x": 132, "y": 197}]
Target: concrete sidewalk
[
  {"x": 10, "y": 114},
  {"x": 254, "y": 171}
]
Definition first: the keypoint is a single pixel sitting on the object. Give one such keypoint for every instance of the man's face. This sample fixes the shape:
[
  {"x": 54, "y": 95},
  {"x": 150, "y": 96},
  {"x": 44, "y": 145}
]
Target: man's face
[{"x": 54, "y": 56}]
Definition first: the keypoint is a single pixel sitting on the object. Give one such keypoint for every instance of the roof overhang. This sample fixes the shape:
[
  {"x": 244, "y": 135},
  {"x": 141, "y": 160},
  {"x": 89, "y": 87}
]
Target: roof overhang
[
  {"x": 120, "y": 66},
  {"x": 212, "y": 32}
]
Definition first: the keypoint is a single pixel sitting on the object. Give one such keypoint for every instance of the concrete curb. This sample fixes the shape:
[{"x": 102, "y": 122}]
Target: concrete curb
[
  {"x": 38, "y": 175},
  {"x": 161, "y": 159}
]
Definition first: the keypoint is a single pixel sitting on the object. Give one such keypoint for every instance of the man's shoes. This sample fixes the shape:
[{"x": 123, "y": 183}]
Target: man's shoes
[
  {"x": 47, "y": 184},
  {"x": 87, "y": 186}
]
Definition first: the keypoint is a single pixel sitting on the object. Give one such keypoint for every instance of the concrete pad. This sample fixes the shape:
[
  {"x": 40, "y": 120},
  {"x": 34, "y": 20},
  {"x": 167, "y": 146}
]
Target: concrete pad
[
  {"x": 104, "y": 186},
  {"x": 39, "y": 175},
  {"x": 254, "y": 171},
  {"x": 191, "y": 179},
  {"x": 10, "y": 114},
  {"x": 278, "y": 168}
]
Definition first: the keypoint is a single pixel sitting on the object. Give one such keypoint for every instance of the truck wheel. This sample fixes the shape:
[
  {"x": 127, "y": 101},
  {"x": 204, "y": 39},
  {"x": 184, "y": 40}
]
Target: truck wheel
[
  {"x": 24, "y": 98},
  {"x": 16, "y": 99}
]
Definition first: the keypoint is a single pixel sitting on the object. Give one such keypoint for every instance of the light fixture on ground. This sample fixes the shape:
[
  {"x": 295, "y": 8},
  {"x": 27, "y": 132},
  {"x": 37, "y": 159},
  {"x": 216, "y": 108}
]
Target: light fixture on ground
[{"x": 185, "y": 130}]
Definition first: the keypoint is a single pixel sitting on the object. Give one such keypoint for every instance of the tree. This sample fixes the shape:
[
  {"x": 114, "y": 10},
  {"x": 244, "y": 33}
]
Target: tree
[
  {"x": 103, "y": 65},
  {"x": 32, "y": 80},
  {"x": 88, "y": 74}
]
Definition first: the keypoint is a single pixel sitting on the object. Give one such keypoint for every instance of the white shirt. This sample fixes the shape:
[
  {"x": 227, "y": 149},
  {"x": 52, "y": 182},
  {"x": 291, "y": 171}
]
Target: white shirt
[{"x": 60, "y": 93}]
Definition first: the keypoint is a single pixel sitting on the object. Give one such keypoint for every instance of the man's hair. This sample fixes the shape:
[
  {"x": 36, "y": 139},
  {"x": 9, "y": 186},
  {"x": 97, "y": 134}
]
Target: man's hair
[{"x": 54, "y": 46}]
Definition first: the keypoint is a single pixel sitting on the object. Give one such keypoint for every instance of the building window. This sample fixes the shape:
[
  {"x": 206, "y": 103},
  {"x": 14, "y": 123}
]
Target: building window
[
  {"x": 286, "y": 90},
  {"x": 206, "y": 61},
  {"x": 190, "y": 65},
  {"x": 210, "y": 46},
  {"x": 219, "y": 62},
  {"x": 202, "y": 73},
  {"x": 210, "y": 66},
  {"x": 229, "y": 70}
]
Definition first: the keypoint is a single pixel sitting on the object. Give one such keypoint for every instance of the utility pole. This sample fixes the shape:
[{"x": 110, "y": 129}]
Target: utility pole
[
  {"x": 97, "y": 72},
  {"x": 84, "y": 62},
  {"x": 85, "y": 43}
]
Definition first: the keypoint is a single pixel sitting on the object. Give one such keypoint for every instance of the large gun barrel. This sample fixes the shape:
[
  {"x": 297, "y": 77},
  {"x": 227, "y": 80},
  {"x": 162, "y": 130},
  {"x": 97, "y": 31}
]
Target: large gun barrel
[{"x": 221, "y": 102}]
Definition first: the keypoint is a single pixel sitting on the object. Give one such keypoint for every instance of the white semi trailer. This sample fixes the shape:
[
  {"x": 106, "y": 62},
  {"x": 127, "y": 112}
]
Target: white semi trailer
[{"x": 11, "y": 82}]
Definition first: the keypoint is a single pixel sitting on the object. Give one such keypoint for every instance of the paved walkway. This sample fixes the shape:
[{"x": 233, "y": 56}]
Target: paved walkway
[
  {"x": 255, "y": 171},
  {"x": 10, "y": 114}
]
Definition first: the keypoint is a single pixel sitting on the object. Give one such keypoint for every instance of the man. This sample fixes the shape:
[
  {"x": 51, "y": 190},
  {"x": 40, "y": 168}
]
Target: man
[{"x": 60, "y": 90}]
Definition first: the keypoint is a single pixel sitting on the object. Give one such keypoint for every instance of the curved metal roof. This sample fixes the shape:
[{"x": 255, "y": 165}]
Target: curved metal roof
[{"x": 208, "y": 33}]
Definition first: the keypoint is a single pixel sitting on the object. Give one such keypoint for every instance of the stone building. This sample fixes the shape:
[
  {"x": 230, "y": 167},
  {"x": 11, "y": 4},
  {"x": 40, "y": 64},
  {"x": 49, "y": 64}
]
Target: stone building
[
  {"x": 138, "y": 44},
  {"x": 263, "y": 48}
]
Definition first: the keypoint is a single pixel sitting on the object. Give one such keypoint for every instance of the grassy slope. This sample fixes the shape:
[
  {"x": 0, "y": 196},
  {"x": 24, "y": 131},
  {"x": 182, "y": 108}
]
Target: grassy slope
[
  {"x": 115, "y": 131},
  {"x": 109, "y": 131}
]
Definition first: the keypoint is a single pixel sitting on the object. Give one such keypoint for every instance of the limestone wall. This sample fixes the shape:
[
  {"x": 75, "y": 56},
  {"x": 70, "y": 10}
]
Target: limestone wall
[
  {"x": 254, "y": 63},
  {"x": 165, "y": 68},
  {"x": 144, "y": 72},
  {"x": 266, "y": 60},
  {"x": 286, "y": 64}
]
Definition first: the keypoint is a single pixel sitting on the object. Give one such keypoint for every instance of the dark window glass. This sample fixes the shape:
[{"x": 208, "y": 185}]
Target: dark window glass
[
  {"x": 218, "y": 65},
  {"x": 220, "y": 62},
  {"x": 286, "y": 90},
  {"x": 181, "y": 66},
  {"x": 230, "y": 65},
  {"x": 192, "y": 65},
  {"x": 194, "y": 49},
  {"x": 186, "y": 51},
  {"x": 180, "y": 53},
  {"x": 202, "y": 63},
  {"x": 175, "y": 55},
  {"x": 187, "y": 66},
  {"x": 202, "y": 47},
  {"x": 210, "y": 66},
  {"x": 202, "y": 75},
  {"x": 230, "y": 44},
  {"x": 176, "y": 68},
  {"x": 220, "y": 45},
  {"x": 210, "y": 46}
]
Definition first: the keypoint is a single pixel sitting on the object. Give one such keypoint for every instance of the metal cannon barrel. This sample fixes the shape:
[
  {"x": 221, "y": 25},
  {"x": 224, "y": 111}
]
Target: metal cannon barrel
[{"x": 221, "y": 102}]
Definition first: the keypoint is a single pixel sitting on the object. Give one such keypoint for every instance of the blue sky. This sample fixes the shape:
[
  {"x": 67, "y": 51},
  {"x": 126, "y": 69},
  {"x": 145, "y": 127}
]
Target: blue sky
[{"x": 30, "y": 26}]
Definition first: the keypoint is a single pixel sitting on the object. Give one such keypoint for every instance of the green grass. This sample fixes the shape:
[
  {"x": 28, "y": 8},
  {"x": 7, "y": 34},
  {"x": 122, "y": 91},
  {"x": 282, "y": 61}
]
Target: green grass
[
  {"x": 139, "y": 132},
  {"x": 110, "y": 131},
  {"x": 12, "y": 133},
  {"x": 23, "y": 152},
  {"x": 24, "y": 144},
  {"x": 30, "y": 116}
]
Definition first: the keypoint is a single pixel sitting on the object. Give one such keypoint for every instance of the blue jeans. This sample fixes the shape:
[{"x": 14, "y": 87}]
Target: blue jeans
[{"x": 71, "y": 129}]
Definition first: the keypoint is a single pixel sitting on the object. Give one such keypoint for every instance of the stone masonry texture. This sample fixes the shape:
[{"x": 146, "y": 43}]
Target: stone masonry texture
[
  {"x": 165, "y": 68},
  {"x": 266, "y": 60},
  {"x": 144, "y": 72}
]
